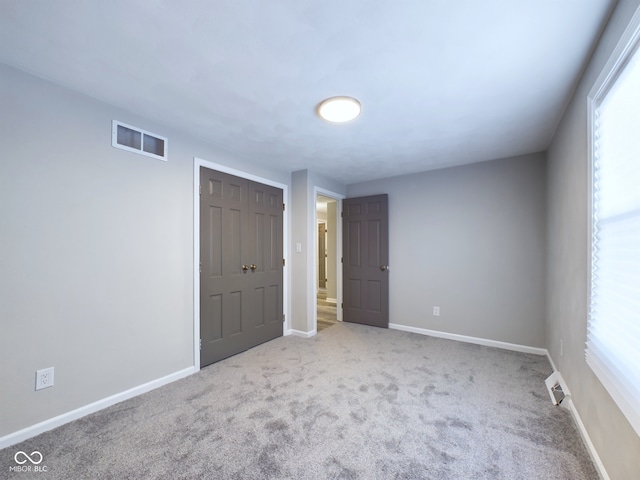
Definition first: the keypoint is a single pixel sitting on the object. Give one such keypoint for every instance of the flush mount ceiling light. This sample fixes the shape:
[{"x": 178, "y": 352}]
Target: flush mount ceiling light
[{"x": 339, "y": 109}]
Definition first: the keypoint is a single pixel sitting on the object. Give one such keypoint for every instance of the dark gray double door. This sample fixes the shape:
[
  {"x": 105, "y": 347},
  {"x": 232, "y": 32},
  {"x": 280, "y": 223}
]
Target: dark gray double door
[{"x": 240, "y": 264}]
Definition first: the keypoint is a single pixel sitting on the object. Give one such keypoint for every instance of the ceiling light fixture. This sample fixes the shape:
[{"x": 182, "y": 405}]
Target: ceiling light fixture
[{"x": 339, "y": 109}]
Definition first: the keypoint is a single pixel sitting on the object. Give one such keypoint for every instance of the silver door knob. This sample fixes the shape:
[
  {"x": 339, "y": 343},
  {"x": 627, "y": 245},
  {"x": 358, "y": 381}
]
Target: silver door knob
[
  {"x": 384, "y": 268},
  {"x": 253, "y": 267},
  {"x": 245, "y": 268}
]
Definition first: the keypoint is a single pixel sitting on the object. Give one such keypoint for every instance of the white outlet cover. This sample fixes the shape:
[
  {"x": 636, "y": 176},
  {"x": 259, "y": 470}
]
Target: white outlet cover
[{"x": 44, "y": 378}]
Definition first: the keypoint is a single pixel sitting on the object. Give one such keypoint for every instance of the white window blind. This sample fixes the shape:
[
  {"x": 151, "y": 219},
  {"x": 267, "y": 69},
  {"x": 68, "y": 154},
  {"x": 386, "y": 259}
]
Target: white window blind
[{"x": 613, "y": 339}]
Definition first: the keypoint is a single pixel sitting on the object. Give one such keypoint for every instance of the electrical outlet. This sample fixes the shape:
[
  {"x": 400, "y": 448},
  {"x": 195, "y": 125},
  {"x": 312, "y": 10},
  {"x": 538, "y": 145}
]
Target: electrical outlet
[
  {"x": 436, "y": 311},
  {"x": 44, "y": 378}
]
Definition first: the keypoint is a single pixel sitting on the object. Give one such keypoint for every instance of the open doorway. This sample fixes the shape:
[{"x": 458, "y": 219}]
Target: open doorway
[{"x": 326, "y": 261}]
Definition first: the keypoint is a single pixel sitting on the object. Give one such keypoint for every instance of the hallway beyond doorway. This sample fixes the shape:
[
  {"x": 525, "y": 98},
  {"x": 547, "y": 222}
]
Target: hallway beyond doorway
[{"x": 327, "y": 311}]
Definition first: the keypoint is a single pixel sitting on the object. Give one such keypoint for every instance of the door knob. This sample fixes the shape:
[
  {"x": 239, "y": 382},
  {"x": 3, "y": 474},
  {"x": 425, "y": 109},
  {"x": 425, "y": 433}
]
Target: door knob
[
  {"x": 253, "y": 267},
  {"x": 244, "y": 268},
  {"x": 384, "y": 268}
]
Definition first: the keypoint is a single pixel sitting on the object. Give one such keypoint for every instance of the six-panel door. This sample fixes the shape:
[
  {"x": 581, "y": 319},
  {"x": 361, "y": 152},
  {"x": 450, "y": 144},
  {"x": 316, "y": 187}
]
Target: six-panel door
[
  {"x": 240, "y": 264},
  {"x": 365, "y": 267}
]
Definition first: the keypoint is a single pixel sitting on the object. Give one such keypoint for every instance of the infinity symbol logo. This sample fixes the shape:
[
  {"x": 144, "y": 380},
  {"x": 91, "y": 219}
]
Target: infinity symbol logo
[{"x": 27, "y": 457}]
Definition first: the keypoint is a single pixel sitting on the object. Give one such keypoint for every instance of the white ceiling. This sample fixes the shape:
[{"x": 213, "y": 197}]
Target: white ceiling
[{"x": 441, "y": 82}]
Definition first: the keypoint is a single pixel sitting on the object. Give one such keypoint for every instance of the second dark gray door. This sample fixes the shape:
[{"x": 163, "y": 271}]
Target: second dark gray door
[
  {"x": 365, "y": 267},
  {"x": 240, "y": 264}
]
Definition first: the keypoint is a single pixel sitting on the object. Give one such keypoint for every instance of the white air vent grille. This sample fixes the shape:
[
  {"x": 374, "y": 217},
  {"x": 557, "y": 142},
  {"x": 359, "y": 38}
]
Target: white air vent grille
[
  {"x": 558, "y": 390},
  {"x": 139, "y": 141}
]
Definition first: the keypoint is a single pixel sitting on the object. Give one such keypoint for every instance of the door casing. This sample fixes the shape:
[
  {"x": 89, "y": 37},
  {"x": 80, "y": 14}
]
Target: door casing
[{"x": 313, "y": 274}]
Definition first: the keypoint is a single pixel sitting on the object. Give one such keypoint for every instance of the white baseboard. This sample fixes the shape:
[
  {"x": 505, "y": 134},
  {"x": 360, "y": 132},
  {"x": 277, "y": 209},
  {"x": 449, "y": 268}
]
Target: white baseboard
[
  {"x": 553, "y": 365},
  {"x": 54, "y": 422},
  {"x": 464, "y": 338},
  {"x": 300, "y": 333},
  {"x": 587, "y": 441},
  {"x": 568, "y": 404}
]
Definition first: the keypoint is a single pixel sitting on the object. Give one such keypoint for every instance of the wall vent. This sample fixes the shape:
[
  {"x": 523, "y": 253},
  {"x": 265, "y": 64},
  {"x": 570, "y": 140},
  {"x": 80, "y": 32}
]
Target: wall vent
[
  {"x": 558, "y": 390},
  {"x": 140, "y": 141}
]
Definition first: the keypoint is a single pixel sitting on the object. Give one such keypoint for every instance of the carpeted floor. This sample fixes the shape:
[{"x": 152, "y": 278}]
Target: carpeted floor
[{"x": 353, "y": 402}]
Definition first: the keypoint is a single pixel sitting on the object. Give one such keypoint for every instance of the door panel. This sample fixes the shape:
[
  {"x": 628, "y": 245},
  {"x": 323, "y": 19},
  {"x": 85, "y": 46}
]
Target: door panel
[
  {"x": 274, "y": 260},
  {"x": 265, "y": 254},
  {"x": 366, "y": 250},
  {"x": 213, "y": 311},
  {"x": 374, "y": 256},
  {"x": 259, "y": 314},
  {"x": 272, "y": 305},
  {"x": 374, "y": 294},
  {"x": 233, "y": 248},
  {"x": 239, "y": 226},
  {"x": 215, "y": 248},
  {"x": 233, "y": 316},
  {"x": 354, "y": 295},
  {"x": 353, "y": 257}
]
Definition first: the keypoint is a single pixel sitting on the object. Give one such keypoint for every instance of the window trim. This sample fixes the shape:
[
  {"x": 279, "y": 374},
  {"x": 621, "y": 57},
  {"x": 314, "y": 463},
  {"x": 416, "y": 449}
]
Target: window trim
[{"x": 628, "y": 45}]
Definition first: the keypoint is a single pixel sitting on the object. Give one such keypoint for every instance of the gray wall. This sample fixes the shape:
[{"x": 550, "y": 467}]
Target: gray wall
[
  {"x": 96, "y": 251},
  {"x": 470, "y": 240},
  {"x": 302, "y": 207},
  {"x": 616, "y": 442}
]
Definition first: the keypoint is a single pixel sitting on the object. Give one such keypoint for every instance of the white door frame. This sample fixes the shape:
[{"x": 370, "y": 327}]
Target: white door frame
[
  {"x": 197, "y": 163},
  {"x": 314, "y": 271}
]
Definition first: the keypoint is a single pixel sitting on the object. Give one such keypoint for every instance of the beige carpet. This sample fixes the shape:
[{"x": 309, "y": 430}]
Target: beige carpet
[{"x": 353, "y": 402}]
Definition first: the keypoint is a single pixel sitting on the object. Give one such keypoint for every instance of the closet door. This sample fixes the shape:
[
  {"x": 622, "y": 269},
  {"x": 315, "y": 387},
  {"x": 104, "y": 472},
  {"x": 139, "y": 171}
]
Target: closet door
[
  {"x": 240, "y": 264},
  {"x": 264, "y": 246}
]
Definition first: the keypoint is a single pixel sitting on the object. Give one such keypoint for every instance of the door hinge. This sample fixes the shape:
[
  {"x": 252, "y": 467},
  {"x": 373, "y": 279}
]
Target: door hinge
[
  {"x": 341, "y": 259},
  {"x": 342, "y": 305},
  {"x": 283, "y": 262},
  {"x": 200, "y": 267},
  {"x": 200, "y": 189},
  {"x": 283, "y": 207},
  {"x": 200, "y": 344},
  {"x": 341, "y": 214},
  {"x": 283, "y": 318}
]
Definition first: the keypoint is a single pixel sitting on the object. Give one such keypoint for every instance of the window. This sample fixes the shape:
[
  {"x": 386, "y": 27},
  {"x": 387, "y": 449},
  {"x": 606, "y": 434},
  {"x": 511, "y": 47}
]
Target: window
[{"x": 613, "y": 338}]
